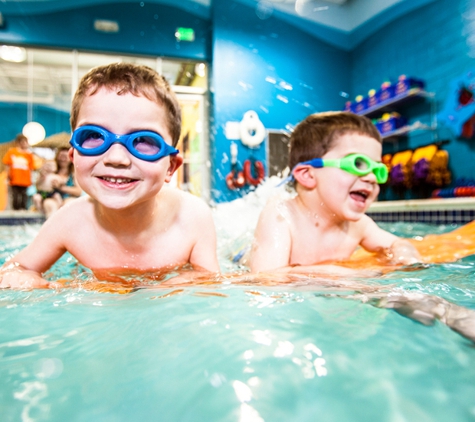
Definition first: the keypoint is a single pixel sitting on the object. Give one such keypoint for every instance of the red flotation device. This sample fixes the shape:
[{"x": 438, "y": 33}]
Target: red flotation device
[
  {"x": 235, "y": 179},
  {"x": 259, "y": 170}
]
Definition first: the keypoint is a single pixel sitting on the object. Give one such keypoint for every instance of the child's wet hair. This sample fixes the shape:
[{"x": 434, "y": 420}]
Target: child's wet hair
[
  {"x": 314, "y": 136},
  {"x": 130, "y": 78}
]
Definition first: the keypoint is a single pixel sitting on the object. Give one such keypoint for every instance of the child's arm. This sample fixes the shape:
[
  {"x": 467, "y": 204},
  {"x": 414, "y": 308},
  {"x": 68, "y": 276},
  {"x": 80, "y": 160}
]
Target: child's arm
[
  {"x": 203, "y": 255},
  {"x": 272, "y": 241},
  {"x": 23, "y": 271},
  {"x": 60, "y": 184},
  {"x": 396, "y": 249}
]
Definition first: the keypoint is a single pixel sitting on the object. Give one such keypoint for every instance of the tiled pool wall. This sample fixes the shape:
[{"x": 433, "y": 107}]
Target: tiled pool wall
[
  {"x": 13, "y": 218},
  {"x": 433, "y": 211}
]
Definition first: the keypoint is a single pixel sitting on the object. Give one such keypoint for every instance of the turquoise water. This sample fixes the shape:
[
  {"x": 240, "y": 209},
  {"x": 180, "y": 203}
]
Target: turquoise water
[{"x": 232, "y": 352}]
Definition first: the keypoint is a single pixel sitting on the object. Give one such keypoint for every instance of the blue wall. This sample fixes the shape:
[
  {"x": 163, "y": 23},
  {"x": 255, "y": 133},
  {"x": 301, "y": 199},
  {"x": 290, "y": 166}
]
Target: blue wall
[
  {"x": 268, "y": 66},
  {"x": 435, "y": 43},
  {"x": 14, "y": 117}
]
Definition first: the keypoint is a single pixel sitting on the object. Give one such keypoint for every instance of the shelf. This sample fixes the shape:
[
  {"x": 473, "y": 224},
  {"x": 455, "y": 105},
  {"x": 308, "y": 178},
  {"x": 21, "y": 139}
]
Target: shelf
[
  {"x": 396, "y": 101},
  {"x": 402, "y": 131}
]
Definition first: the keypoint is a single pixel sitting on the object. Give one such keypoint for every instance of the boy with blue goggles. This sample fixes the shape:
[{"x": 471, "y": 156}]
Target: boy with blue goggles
[
  {"x": 129, "y": 221},
  {"x": 94, "y": 140}
]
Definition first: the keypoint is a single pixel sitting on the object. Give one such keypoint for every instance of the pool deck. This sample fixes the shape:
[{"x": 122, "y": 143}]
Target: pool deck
[{"x": 437, "y": 211}]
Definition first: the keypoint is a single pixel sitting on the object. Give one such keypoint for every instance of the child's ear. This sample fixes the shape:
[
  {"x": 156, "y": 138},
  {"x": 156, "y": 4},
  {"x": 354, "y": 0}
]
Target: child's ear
[
  {"x": 71, "y": 154},
  {"x": 175, "y": 162},
  {"x": 304, "y": 176}
]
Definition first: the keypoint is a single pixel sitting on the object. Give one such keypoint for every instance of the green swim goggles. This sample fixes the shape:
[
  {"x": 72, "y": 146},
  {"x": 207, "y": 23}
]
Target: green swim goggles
[{"x": 357, "y": 164}]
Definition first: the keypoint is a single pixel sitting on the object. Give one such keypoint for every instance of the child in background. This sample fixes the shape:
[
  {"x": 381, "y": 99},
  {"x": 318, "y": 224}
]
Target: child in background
[
  {"x": 46, "y": 185},
  {"x": 126, "y": 122},
  {"x": 65, "y": 185},
  {"x": 19, "y": 162},
  {"x": 335, "y": 159}
]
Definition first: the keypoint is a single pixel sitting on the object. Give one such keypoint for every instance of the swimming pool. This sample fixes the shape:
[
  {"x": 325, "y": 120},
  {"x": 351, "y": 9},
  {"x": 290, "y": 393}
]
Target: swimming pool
[{"x": 232, "y": 352}]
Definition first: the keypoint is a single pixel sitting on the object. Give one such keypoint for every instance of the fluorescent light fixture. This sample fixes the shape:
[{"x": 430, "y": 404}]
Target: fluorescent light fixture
[
  {"x": 11, "y": 53},
  {"x": 103, "y": 25}
]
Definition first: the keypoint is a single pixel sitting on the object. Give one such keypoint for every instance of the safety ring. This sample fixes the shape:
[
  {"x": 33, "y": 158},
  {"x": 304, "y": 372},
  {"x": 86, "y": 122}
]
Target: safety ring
[
  {"x": 251, "y": 129},
  {"x": 235, "y": 180}
]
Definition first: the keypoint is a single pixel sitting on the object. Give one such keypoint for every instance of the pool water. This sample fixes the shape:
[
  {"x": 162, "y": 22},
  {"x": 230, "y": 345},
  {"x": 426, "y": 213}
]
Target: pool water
[{"x": 232, "y": 352}]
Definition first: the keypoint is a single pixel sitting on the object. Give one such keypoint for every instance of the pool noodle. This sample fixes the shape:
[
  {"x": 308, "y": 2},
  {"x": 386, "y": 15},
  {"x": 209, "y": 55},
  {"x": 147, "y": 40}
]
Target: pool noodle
[{"x": 434, "y": 248}]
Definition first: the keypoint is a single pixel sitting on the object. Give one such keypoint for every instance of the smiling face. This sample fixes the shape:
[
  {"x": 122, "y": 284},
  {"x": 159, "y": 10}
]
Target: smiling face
[
  {"x": 345, "y": 195},
  {"x": 116, "y": 179}
]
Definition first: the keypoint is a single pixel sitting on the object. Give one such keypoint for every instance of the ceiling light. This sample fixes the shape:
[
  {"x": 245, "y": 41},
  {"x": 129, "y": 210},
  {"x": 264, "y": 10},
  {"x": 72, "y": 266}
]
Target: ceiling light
[
  {"x": 11, "y": 53},
  {"x": 103, "y": 25},
  {"x": 34, "y": 132},
  {"x": 200, "y": 69}
]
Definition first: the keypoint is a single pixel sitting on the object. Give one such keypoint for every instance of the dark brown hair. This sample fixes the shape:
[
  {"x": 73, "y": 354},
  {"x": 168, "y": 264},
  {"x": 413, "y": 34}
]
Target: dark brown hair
[
  {"x": 314, "y": 136},
  {"x": 134, "y": 79}
]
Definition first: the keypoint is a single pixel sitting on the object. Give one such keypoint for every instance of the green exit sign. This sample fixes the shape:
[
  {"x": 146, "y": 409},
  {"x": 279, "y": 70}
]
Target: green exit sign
[{"x": 185, "y": 34}]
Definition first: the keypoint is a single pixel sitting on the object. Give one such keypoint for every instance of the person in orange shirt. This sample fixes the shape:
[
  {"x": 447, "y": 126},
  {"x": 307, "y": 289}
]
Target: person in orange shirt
[{"x": 19, "y": 161}]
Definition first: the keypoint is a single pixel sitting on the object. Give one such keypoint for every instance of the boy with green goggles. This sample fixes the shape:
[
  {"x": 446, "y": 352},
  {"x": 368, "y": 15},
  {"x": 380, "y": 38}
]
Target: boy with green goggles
[{"x": 325, "y": 221}]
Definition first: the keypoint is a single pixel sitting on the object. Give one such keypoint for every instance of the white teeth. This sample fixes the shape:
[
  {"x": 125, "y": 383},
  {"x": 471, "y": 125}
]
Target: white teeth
[{"x": 116, "y": 180}]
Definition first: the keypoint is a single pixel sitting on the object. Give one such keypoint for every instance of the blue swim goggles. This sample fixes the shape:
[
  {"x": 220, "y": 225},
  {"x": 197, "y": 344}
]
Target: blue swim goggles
[
  {"x": 146, "y": 145},
  {"x": 357, "y": 164}
]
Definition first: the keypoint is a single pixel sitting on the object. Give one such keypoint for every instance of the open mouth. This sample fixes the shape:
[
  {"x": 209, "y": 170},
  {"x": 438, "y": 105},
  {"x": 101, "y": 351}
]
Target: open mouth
[{"x": 359, "y": 195}]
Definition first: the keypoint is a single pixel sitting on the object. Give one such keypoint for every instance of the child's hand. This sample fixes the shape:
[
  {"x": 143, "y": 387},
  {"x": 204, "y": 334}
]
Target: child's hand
[
  {"x": 402, "y": 252},
  {"x": 16, "y": 277},
  {"x": 57, "y": 183}
]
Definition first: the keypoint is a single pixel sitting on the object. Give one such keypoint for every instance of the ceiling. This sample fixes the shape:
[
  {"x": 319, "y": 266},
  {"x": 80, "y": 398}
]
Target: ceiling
[{"x": 343, "y": 23}]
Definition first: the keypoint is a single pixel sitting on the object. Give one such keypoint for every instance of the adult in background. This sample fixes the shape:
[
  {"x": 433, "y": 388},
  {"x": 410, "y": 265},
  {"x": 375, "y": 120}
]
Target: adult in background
[
  {"x": 19, "y": 162},
  {"x": 69, "y": 189}
]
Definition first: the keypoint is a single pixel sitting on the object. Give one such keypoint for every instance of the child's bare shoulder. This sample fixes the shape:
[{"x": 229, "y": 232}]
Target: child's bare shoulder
[
  {"x": 185, "y": 204},
  {"x": 73, "y": 213},
  {"x": 278, "y": 207}
]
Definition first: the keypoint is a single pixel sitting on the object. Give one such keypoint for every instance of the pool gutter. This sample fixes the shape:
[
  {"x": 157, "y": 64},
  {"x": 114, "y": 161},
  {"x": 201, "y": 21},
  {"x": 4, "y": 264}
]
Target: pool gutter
[{"x": 435, "y": 211}]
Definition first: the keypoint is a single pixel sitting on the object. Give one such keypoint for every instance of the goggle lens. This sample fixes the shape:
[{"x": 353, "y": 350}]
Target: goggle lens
[
  {"x": 361, "y": 164},
  {"x": 146, "y": 145},
  {"x": 90, "y": 139}
]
